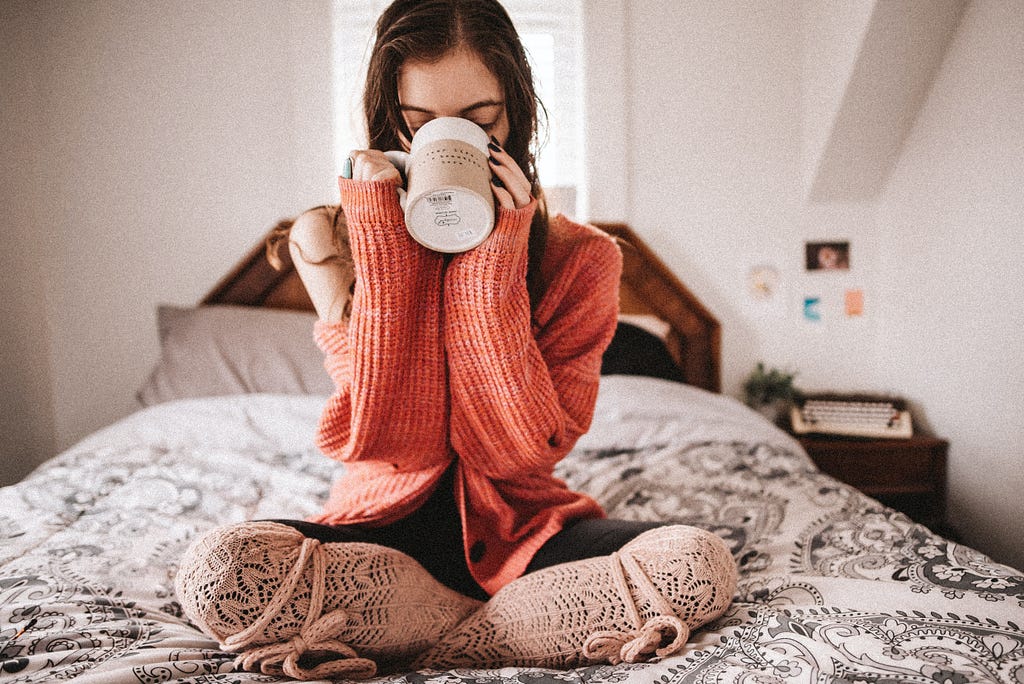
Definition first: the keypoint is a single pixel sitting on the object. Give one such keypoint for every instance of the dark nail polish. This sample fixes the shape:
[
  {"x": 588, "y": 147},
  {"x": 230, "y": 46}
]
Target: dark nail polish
[
  {"x": 497, "y": 182},
  {"x": 493, "y": 160},
  {"x": 494, "y": 147}
]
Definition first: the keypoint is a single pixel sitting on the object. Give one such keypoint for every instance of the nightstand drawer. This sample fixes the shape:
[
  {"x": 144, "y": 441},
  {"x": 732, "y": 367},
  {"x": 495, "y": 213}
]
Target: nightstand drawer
[
  {"x": 906, "y": 474},
  {"x": 879, "y": 471}
]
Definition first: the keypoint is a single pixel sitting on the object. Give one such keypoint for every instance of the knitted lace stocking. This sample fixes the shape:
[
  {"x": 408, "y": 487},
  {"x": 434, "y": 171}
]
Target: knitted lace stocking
[
  {"x": 635, "y": 604},
  {"x": 292, "y": 605}
]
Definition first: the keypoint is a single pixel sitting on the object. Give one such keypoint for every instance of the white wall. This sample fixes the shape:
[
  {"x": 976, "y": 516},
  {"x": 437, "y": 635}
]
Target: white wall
[
  {"x": 722, "y": 109},
  {"x": 953, "y": 267},
  {"x": 833, "y": 33},
  {"x": 716, "y": 169},
  {"x": 152, "y": 144},
  {"x": 26, "y": 393}
]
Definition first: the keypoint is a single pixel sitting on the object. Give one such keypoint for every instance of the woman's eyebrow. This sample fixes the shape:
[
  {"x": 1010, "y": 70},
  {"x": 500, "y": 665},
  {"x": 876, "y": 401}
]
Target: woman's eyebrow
[
  {"x": 482, "y": 104},
  {"x": 466, "y": 110}
]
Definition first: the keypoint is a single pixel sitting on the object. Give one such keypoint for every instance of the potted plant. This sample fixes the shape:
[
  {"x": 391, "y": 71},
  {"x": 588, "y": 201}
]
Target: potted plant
[{"x": 769, "y": 391}]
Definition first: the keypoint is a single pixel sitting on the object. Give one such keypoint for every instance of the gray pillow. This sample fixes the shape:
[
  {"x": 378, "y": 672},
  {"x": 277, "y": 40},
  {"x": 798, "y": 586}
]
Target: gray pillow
[{"x": 221, "y": 349}]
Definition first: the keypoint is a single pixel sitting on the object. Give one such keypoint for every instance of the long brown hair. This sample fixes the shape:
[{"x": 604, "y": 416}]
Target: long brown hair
[{"x": 426, "y": 30}]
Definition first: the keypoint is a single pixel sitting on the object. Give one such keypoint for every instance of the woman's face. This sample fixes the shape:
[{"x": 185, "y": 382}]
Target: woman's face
[{"x": 458, "y": 84}]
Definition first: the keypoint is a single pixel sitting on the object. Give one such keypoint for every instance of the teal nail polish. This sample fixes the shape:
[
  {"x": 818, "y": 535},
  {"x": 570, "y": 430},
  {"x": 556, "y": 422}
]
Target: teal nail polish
[{"x": 346, "y": 169}]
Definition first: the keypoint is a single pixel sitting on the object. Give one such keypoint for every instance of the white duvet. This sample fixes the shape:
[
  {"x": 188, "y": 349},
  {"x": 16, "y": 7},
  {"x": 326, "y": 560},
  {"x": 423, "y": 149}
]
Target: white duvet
[{"x": 833, "y": 586}]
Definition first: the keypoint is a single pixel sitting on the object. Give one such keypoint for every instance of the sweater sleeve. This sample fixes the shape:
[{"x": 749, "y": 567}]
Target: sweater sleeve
[
  {"x": 522, "y": 397},
  {"x": 387, "y": 362}
]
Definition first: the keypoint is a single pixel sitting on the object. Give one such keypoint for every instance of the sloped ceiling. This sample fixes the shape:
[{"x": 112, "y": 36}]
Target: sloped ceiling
[{"x": 868, "y": 67}]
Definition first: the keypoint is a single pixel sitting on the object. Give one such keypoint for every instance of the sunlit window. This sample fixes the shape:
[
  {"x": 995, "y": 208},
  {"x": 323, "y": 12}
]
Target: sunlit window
[{"x": 550, "y": 32}]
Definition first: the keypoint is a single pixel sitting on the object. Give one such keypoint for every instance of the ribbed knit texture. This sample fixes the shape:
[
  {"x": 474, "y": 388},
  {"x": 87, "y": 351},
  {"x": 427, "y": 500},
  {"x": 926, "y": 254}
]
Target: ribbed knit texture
[{"x": 440, "y": 363}]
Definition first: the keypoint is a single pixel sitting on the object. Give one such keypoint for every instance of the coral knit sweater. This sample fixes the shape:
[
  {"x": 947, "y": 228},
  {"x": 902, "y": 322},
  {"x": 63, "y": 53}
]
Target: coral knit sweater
[{"x": 441, "y": 364}]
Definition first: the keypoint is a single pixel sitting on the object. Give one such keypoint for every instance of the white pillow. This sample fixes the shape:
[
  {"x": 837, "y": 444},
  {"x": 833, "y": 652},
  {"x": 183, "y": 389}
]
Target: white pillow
[{"x": 222, "y": 349}]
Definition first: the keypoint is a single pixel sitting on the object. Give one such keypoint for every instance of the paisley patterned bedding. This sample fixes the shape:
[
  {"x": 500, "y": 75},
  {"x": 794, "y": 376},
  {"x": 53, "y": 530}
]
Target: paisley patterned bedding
[{"x": 833, "y": 586}]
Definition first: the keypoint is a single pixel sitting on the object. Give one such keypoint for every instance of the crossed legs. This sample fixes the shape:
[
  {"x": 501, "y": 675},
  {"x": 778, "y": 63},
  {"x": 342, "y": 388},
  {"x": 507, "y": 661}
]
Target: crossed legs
[{"x": 293, "y": 604}]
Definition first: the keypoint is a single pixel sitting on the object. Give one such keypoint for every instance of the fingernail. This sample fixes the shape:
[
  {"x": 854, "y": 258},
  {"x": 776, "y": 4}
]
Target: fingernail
[
  {"x": 494, "y": 145},
  {"x": 493, "y": 160},
  {"x": 346, "y": 169},
  {"x": 497, "y": 181}
]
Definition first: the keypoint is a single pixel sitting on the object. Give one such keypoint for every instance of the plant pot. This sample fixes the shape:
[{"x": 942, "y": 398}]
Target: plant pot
[{"x": 774, "y": 411}]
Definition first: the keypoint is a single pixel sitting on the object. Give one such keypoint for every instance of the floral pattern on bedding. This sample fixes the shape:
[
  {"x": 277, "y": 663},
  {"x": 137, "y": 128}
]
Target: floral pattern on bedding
[{"x": 833, "y": 586}]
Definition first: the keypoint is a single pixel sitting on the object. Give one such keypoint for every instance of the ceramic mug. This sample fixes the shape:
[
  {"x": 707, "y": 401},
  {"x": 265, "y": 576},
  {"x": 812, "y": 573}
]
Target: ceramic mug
[{"x": 447, "y": 199}]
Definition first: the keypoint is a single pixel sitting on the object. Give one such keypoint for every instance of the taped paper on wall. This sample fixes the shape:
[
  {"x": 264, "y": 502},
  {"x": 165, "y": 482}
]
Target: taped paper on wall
[
  {"x": 812, "y": 310},
  {"x": 854, "y": 303}
]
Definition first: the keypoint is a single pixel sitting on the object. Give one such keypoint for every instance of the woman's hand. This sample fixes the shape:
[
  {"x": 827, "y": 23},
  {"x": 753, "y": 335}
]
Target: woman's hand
[
  {"x": 509, "y": 183},
  {"x": 372, "y": 165}
]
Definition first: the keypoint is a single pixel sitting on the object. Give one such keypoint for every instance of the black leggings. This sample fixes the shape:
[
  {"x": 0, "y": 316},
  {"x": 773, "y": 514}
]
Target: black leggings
[{"x": 433, "y": 536}]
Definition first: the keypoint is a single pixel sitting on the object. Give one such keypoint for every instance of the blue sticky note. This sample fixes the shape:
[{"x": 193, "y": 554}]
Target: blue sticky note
[{"x": 811, "y": 311}]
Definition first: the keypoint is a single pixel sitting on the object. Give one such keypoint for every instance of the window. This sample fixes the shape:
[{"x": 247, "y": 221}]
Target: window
[{"x": 550, "y": 33}]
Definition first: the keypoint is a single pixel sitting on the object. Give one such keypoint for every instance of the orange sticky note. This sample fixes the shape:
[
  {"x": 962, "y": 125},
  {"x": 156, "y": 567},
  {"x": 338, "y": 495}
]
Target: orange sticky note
[{"x": 855, "y": 302}]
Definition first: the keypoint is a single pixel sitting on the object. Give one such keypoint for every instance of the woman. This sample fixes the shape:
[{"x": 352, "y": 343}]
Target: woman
[{"x": 461, "y": 381}]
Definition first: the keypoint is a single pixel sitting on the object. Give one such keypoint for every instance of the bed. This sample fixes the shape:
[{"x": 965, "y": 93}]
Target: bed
[{"x": 833, "y": 585}]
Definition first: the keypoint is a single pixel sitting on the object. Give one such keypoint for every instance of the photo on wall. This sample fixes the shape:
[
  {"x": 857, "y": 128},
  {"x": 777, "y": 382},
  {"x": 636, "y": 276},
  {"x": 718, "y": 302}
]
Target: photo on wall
[{"x": 828, "y": 256}]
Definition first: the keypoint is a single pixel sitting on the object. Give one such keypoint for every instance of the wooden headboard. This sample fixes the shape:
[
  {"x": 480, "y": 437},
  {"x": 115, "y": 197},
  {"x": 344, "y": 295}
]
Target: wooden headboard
[{"x": 648, "y": 287}]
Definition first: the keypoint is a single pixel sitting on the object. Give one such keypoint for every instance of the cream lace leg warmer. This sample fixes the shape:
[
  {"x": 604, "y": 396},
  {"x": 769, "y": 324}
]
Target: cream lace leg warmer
[
  {"x": 630, "y": 606},
  {"x": 309, "y": 610}
]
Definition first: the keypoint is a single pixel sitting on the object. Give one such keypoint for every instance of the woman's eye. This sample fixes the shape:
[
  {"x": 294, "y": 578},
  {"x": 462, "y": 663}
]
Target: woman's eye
[{"x": 414, "y": 126}]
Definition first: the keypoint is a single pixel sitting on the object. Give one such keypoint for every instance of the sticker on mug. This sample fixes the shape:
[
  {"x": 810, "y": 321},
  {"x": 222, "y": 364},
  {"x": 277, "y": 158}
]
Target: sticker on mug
[{"x": 445, "y": 206}]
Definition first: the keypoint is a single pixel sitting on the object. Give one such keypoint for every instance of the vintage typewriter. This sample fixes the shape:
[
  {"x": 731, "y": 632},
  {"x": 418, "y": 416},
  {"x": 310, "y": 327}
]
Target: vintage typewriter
[{"x": 853, "y": 415}]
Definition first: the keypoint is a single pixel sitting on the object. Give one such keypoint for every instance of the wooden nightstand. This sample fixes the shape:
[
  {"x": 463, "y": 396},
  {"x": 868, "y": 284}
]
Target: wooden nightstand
[{"x": 906, "y": 474}]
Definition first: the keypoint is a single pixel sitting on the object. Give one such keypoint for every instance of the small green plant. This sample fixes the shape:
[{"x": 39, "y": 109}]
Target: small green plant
[{"x": 768, "y": 387}]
